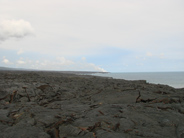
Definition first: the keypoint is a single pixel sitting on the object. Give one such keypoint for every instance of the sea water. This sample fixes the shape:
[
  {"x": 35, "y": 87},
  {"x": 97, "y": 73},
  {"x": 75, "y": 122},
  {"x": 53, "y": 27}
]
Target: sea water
[{"x": 173, "y": 79}]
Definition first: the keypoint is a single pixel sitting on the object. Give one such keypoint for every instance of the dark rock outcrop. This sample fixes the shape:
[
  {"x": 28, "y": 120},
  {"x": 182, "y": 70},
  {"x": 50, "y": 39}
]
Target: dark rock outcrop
[{"x": 59, "y": 105}]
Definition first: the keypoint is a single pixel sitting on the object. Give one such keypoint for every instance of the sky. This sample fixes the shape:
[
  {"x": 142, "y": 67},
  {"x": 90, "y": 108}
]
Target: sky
[{"x": 92, "y": 35}]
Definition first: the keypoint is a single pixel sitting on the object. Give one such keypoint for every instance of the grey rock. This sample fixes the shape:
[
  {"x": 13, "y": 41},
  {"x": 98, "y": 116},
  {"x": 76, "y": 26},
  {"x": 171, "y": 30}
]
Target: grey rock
[
  {"x": 23, "y": 99},
  {"x": 24, "y": 131},
  {"x": 69, "y": 130},
  {"x": 73, "y": 106},
  {"x": 105, "y": 134},
  {"x": 180, "y": 131}
]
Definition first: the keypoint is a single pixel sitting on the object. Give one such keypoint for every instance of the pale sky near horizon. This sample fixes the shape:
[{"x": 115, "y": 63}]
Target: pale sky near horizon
[{"x": 92, "y": 35}]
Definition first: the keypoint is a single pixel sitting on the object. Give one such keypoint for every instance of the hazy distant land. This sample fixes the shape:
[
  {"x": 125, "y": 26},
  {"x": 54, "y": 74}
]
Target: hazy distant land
[{"x": 38, "y": 70}]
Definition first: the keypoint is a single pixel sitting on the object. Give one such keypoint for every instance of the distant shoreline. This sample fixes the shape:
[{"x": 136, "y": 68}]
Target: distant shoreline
[{"x": 174, "y": 79}]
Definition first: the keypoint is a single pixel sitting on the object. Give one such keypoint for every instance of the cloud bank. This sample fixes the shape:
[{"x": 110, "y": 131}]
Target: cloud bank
[
  {"x": 61, "y": 63},
  {"x": 58, "y": 64},
  {"x": 15, "y": 29}
]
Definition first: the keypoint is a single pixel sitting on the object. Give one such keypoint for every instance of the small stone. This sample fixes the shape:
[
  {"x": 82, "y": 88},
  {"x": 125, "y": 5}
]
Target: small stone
[
  {"x": 165, "y": 122},
  {"x": 69, "y": 130},
  {"x": 23, "y": 100}
]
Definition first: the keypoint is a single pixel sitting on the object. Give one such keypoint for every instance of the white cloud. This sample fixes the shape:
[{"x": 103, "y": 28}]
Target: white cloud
[
  {"x": 60, "y": 63},
  {"x": 83, "y": 59},
  {"x": 65, "y": 64},
  {"x": 149, "y": 54},
  {"x": 162, "y": 55},
  {"x": 64, "y": 61},
  {"x": 21, "y": 62},
  {"x": 84, "y": 26},
  {"x": 15, "y": 29},
  {"x": 20, "y": 52},
  {"x": 5, "y": 60},
  {"x": 96, "y": 68}
]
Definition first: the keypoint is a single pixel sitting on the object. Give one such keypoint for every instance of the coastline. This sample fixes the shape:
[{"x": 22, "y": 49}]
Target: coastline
[
  {"x": 64, "y": 104},
  {"x": 173, "y": 79}
]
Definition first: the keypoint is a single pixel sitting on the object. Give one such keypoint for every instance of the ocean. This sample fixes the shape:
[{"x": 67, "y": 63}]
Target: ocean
[{"x": 173, "y": 79}]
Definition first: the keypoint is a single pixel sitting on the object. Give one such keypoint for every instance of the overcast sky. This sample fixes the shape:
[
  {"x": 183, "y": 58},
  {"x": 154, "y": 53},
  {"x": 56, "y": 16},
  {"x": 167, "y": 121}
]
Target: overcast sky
[{"x": 93, "y": 35}]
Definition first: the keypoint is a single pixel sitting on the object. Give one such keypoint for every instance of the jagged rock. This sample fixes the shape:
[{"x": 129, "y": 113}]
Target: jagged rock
[
  {"x": 57, "y": 105},
  {"x": 180, "y": 131},
  {"x": 24, "y": 131},
  {"x": 69, "y": 130},
  {"x": 23, "y": 99}
]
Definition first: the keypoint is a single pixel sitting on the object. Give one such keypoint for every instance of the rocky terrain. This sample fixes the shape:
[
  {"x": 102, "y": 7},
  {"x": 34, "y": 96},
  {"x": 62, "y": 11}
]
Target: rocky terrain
[{"x": 60, "y": 105}]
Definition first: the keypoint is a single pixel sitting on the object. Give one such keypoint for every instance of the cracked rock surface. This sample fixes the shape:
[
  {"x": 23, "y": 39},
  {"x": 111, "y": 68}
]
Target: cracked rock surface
[{"x": 60, "y": 105}]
